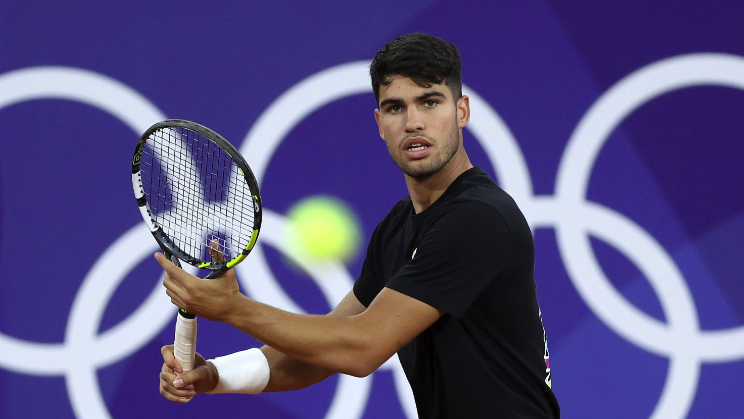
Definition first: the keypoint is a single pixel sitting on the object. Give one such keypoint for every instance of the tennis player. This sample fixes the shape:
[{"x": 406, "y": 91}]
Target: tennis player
[{"x": 447, "y": 282}]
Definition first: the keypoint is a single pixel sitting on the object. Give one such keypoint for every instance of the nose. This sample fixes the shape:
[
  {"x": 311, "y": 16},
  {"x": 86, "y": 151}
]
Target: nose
[{"x": 414, "y": 119}]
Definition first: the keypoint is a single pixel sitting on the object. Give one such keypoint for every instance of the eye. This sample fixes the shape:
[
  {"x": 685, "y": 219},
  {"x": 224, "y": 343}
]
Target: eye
[
  {"x": 394, "y": 109},
  {"x": 430, "y": 103}
]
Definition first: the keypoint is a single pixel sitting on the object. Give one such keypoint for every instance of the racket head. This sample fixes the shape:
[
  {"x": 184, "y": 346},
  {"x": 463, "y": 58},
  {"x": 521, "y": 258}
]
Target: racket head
[{"x": 197, "y": 195}]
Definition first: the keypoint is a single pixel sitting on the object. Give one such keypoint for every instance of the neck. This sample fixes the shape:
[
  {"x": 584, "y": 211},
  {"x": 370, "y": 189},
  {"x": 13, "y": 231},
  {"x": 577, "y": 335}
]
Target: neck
[{"x": 425, "y": 191}]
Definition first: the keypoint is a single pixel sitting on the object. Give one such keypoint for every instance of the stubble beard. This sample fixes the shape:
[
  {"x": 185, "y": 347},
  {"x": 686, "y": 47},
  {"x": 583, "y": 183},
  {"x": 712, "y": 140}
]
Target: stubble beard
[{"x": 423, "y": 170}]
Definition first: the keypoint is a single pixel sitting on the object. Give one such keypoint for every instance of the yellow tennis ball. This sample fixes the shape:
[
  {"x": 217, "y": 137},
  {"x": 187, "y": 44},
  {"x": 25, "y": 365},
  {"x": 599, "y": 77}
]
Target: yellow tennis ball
[{"x": 322, "y": 228}]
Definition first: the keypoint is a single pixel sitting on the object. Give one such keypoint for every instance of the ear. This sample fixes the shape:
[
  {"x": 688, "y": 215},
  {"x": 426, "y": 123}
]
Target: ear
[
  {"x": 463, "y": 111},
  {"x": 377, "y": 118}
]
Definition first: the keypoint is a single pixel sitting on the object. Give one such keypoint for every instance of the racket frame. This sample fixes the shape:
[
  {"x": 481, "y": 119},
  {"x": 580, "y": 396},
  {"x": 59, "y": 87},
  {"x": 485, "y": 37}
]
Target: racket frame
[
  {"x": 166, "y": 244},
  {"x": 185, "y": 335}
]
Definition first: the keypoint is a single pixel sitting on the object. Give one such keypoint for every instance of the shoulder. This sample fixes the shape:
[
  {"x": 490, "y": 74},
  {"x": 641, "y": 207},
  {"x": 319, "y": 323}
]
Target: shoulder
[
  {"x": 487, "y": 211},
  {"x": 471, "y": 217},
  {"x": 480, "y": 187}
]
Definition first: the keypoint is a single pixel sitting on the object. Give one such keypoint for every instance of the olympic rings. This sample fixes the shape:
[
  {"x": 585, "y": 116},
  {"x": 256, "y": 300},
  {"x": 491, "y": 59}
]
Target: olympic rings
[{"x": 573, "y": 217}]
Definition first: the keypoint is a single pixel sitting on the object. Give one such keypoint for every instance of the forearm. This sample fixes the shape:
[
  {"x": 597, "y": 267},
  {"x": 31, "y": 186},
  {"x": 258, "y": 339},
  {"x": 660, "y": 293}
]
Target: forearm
[
  {"x": 332, "y": 343},
  {"x": 288, "y": 373}
]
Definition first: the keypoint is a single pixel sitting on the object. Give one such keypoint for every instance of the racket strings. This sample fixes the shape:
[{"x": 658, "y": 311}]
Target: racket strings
[{"x": 197, "y": 194}]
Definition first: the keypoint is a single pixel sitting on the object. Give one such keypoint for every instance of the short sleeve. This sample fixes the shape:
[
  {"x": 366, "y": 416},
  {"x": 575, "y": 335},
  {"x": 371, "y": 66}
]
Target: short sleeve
[
  {"x": 457, "y": 257},
  {"x": 367, "y": 285}
]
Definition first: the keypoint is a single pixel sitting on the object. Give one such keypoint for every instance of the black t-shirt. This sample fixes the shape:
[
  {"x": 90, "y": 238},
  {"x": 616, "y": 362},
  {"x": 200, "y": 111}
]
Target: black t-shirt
[{"x": 471, "y": 255}]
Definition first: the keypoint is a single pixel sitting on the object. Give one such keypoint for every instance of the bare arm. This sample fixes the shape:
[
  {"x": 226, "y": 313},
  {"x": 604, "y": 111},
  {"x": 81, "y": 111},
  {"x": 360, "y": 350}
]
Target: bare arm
[
  {"x": 354, "y": 344},
  {"x": 288, "y": 373}
]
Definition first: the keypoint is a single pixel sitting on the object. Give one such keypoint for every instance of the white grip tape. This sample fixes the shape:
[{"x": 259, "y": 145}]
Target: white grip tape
[
  {"x": 184, "y": 345},
  {"x": 242, "y": 372}
]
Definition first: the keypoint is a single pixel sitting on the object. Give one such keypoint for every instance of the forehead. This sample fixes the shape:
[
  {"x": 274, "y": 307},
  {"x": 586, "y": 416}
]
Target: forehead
[{"x": 402, "y": 87}]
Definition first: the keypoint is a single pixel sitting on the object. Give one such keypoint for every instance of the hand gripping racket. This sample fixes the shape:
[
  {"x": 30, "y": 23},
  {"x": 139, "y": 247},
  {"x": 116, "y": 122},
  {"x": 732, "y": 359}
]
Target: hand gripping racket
[{"x": 200, "y": 200}]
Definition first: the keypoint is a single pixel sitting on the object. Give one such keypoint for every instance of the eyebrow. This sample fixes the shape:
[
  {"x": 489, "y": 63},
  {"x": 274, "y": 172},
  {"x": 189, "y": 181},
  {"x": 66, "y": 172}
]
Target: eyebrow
[{"x": 398, "y": 101}]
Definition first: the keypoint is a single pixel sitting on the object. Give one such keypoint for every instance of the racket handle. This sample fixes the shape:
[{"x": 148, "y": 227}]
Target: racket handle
[{"x": 184, "y": 345}]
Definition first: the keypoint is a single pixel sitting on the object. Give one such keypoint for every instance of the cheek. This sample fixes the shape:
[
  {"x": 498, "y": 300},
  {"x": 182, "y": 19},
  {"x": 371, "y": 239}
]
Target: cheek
[
  {"x": 445, "y": 125},
  {"x": 444, "y": 120},
  {"x": 388, "y": 128}
]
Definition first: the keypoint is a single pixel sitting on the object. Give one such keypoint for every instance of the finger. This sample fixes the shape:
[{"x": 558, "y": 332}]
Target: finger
[
  {"x": 175, "y": 291},
  {"x": 167, "y": 374},
  {"x": 171, "y": 377},
  {"x": 174, "y": 394},
  {"x": 169, "y": 383},
  {"x": 175, "y": 279},
  {"x": 214, "y": 251},
  {"x": 164, "y": 262},
  {"x": 189, "y": 379},
  {"x": 170, "y": 360},
  {"x": 176, "y": 300},
  {"x": 172, "y": 285},
  {"x": 175, "y": 273}
]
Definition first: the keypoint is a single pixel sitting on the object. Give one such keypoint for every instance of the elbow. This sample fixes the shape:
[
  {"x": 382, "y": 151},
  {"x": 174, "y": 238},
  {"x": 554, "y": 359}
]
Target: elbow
[
  {"x": 363, "y": 352},
  {"x": 364, "y": 359},
  {"x": 360, "y": 368}
]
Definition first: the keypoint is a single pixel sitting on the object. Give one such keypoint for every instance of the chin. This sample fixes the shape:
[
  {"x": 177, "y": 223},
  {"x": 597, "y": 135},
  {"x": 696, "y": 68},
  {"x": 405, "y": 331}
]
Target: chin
[{"x": 421, "y": 172}]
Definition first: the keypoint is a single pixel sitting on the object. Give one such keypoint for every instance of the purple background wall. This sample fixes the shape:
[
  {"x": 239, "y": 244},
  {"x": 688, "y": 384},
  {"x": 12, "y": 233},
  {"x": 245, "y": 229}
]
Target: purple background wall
[{"x": 616, "y": 125}]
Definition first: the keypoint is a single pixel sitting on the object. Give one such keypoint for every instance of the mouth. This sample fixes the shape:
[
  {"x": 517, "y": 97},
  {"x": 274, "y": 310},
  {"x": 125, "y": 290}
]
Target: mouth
[
  {"x": 416, "y": 147},
  {"x": 416, "y": 144}
]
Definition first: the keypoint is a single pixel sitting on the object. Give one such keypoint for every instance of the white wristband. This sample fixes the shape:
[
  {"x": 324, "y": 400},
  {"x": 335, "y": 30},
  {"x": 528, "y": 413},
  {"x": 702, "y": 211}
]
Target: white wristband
[{"x": 242, "y": 372}]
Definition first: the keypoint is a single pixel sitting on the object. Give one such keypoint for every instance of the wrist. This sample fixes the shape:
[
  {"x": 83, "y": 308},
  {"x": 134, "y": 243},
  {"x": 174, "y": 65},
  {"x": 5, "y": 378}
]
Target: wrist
[
  {"x": 241, "y": 372},
  {"x": 234, "y": 309},
  {"x": 214, "y": 376}
]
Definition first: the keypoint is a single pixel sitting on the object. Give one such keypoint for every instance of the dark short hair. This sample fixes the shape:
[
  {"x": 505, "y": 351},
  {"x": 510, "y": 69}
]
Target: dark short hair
[{"x": 423, "y": 58}]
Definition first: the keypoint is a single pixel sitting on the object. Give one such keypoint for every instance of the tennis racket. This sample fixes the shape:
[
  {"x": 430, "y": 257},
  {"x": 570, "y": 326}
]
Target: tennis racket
[{"x": 201, "y": 202}]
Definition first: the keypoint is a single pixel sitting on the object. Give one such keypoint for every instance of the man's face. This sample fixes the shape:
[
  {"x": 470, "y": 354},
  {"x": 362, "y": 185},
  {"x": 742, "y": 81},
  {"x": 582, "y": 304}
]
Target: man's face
[{"x": 421, "y": 125}]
